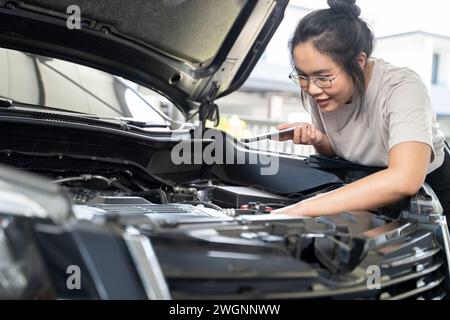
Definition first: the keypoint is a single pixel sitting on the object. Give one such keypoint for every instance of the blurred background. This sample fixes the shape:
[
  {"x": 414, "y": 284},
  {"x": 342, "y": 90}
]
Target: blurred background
[{"x": 409, "y": 33}]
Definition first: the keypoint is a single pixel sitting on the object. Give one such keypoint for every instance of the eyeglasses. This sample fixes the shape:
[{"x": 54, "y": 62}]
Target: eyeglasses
[{"x": 323, "y": 82}]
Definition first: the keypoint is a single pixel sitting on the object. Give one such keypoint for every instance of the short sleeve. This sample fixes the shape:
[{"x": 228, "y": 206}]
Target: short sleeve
[{"x": 409, "y": 115}]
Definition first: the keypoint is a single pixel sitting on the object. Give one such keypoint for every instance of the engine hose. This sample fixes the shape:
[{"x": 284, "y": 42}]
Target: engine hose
[
  {"x": 162, "y": 195},
  {"x": 89, "y": 177}
]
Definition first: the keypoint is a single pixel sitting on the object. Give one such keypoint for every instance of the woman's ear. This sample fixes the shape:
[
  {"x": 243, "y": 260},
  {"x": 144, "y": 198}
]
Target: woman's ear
[{"x": 361, "y": 58}]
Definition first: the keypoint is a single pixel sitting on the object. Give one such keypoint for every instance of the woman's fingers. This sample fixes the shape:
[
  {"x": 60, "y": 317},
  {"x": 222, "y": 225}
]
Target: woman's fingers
[
  {"x": 313, "y": 134},
  {"x": 297, "y": 135},
  {"x": 304, "y": 134}
]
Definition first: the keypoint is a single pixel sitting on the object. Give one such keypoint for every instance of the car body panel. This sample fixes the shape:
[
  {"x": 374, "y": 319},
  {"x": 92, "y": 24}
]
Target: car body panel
[{"x": 145, "y": 55}]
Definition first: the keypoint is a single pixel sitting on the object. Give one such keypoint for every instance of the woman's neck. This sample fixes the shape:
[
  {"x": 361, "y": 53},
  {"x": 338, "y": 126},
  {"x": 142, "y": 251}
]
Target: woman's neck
[{"x": 368, "y": 70}]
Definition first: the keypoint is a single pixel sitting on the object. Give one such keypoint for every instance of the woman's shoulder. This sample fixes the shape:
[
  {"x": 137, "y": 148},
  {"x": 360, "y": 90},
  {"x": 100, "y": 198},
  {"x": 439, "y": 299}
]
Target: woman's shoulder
[
  {"x": 395, "y": 88},
  {"x": 388, "y": 78},
  {"x": 389, "y": 75}
]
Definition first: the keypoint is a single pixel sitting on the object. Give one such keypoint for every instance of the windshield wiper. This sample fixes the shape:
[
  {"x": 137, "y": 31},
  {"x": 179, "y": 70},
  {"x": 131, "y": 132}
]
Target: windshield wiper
[
  {"x": 12, "y": 104},
  {"x": 8, "y": 104}
]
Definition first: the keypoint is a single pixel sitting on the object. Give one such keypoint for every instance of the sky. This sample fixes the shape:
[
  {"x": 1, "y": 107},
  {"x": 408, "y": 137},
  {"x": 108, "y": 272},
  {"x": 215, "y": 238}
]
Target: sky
[{"x": 397, "y": 16}]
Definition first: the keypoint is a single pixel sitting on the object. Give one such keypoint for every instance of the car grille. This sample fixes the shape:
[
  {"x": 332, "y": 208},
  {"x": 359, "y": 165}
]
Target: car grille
[
  {"x": 415, "y": 269},
  {"x": 412, "y": 266}
]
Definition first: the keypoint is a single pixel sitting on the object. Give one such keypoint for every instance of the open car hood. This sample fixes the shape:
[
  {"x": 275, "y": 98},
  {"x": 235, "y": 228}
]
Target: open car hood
[{"x": 191, "y": 51}]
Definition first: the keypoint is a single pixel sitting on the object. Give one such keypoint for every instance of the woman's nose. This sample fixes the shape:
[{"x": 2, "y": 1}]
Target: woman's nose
[{"x": 313, "y": 89}]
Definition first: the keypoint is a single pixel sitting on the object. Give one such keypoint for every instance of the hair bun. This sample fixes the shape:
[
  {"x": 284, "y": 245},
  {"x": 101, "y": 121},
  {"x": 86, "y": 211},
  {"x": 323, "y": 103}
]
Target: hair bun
[{"x": 345, "y": 7}]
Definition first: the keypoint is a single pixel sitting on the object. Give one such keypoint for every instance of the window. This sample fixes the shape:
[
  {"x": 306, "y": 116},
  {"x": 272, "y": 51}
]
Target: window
[{"x": 435, "y": 71}]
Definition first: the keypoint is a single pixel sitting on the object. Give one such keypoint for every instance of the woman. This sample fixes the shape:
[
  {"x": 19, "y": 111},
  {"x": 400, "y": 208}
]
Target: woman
[{"x": 364, "y": 110}]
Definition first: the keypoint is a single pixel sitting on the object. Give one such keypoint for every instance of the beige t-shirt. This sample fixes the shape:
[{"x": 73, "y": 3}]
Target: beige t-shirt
[{"x": 397, "y": 109}]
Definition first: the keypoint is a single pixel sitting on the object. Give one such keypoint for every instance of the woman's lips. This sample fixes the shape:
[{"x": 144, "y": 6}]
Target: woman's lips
[{"x": 323, "y": 102}]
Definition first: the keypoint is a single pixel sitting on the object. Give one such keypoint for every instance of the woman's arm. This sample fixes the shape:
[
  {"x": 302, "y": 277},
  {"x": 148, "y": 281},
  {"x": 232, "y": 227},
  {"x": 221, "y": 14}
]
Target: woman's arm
[{"x": 406, "y": 172}]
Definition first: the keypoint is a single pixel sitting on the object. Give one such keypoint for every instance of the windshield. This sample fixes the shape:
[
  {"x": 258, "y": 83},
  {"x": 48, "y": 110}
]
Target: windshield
[{"x": 49, "y": 82}]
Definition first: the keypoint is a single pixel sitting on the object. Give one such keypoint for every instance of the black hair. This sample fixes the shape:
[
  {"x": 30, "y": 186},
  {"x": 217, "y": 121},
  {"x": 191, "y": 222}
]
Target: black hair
[{"x": 339, "y": 33}]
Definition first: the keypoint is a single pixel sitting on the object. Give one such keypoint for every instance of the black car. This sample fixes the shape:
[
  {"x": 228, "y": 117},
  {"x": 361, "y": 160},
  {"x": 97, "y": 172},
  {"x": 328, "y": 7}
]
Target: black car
[{"x": 109, "y": 190}]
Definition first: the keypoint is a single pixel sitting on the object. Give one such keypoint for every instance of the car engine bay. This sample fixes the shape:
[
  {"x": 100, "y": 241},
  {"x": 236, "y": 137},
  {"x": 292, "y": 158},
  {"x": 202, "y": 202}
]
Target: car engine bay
[{"x": 142, "y": 228}]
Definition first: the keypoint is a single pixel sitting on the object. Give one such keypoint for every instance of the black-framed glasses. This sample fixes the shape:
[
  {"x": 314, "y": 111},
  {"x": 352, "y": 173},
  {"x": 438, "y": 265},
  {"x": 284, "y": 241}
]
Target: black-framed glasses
[{"x": 323, "y": 82}]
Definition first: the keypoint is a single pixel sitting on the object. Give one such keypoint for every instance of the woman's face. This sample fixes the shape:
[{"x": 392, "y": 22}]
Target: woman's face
[{"x": 310, "y": 62}]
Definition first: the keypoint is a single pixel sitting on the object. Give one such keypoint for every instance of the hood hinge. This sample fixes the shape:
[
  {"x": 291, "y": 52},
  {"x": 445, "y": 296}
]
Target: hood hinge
[{"x": 208, "y": 109}]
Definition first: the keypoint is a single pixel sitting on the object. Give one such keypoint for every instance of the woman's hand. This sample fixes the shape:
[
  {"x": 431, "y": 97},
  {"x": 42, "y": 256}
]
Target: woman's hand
[{"x": 305, "y": 133}]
